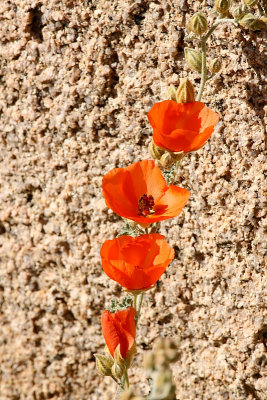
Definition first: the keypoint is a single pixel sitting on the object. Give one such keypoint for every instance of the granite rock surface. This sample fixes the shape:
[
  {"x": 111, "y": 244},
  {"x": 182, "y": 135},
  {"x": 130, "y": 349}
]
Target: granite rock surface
[{"x": 77, "y": 78}]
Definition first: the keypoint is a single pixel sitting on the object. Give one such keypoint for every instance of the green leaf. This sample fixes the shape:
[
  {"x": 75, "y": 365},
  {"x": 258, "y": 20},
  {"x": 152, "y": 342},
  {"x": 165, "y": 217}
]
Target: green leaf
[
  {"x": 169, "y": 174},
  {"x": 128, "y": 229},
  {"x": 115, "y": 305}
]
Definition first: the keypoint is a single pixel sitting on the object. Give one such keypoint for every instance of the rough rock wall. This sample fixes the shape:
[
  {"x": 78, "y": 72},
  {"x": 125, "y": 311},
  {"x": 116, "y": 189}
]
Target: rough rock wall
[{"x": 77, "y": 78}]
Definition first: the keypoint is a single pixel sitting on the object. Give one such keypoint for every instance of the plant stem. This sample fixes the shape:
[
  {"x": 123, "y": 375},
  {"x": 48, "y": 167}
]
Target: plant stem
[
  {"x": 204, "y": 55},
  {"x": 126, "y": 380},
  {"x": 138, "y": 299},
  {"x": 114, "y": 379},
  {"x": 203, "y": 69},
  {"x": 177, "y": 164},
  {"x": 134, "y": 304},
  {"x": 123, "y": 385}
]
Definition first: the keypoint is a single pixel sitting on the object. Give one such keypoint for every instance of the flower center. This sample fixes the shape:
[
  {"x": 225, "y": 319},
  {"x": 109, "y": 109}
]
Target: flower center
[{"x": 145, "y": 205}]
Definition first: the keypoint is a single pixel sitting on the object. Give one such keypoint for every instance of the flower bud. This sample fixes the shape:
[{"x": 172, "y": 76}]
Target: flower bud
[
  {"x": 104, "y": 364},
  {"x": 258, "y": 24},
  {"x": 155, "y": 151},
  {"x": 251, "y": 3},
  {"x": 222, "y": 6},
  {"x": 239, "y": 12},
  {"x": 166, "y": 160},
  {"x": 252, "y": 22},
  {"x": 185, "y": 92},
  {"x": 198, "y": 24},
  {"x": 247, "y": 20},
  {"x": 193, "y": 58},
  {"x": 117, "y": 371},
  {"x": 215, "y": 65},
  {"x": 171, "y": 93}
]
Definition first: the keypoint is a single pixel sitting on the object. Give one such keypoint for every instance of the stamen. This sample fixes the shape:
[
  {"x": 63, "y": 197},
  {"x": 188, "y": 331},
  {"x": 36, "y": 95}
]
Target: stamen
[{"x": 145, "y": 205}]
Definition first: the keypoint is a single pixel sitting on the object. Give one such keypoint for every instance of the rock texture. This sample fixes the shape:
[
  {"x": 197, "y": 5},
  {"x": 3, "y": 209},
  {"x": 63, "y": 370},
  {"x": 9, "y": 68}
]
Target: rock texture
[{"x": 77, "y": 79}]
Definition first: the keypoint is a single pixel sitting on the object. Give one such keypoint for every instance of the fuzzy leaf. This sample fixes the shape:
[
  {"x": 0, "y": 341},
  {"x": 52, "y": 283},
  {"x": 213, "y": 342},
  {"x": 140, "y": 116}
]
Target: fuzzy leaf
[
  {"x": 129, "y": 230},
  {"x": 123, "y": 305}
]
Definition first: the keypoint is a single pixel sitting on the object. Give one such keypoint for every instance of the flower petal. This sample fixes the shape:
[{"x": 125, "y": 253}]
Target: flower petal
[
  {"x": 123, "y": 187},
  {"x": 176, "y": 198},
  {"x": 176, "y": 126},
  {"x": 136, "y": 263},
  {"x": 119, "y": 328}
]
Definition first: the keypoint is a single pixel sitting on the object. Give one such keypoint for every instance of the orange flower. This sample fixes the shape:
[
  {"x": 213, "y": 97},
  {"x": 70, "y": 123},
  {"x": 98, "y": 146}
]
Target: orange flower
[
  {"x": 181, "y": 126},
  {"x": 136, "y": 263},
  {"x": 140, "y": 193},
  {"x": 119, "y": 328}
]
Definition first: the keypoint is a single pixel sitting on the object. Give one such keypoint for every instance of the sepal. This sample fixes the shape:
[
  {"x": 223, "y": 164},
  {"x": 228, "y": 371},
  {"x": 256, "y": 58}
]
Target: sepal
[
  {"x": 104, "y": 364},
  {"x": 185, "y": 92},
  {"x": 171, "y": 93},
  {"x": 130, "y": 355},
  {"x": 117, "y": 356},
  {"x": 117, "y": 371}
]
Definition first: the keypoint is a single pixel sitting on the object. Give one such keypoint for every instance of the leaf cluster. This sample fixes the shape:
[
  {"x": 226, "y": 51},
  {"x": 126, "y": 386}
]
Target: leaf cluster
[
  {"x": 130, "y": 230},
  {"x": 169, "y": 174},
  {"x": 125, "y": 303}
]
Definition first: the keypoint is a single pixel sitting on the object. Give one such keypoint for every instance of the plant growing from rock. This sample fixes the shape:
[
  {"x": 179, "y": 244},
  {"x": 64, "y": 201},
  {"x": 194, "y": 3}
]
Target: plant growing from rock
[{"x": 144, "y": 194}]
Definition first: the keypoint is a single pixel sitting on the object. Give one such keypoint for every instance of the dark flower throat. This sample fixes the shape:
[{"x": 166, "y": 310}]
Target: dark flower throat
[{"x": 145, "y": 205}]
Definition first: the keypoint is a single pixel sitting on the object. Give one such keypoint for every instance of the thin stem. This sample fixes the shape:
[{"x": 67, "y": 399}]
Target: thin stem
[
  {"x": 217, "y": 22},
  {"x": 126, "y": 380},
  {"x": 176, "y": 170},
  {"x": 204, "y": 55},
  {"x": 138, "y": 299},
  {"x": 114, "y": 379},
  {"x": 203, "y": 69},
  {"x": 210, "y": 77},
  {"x": 134, "y": 304}
]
